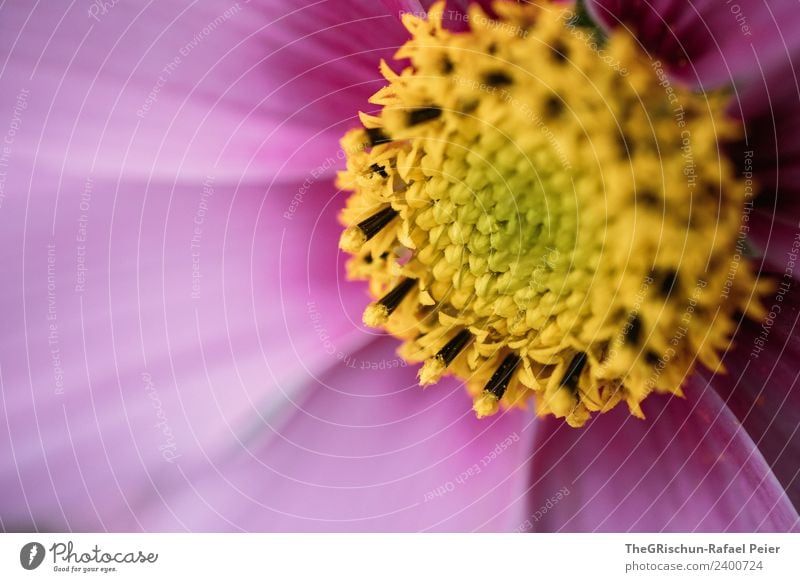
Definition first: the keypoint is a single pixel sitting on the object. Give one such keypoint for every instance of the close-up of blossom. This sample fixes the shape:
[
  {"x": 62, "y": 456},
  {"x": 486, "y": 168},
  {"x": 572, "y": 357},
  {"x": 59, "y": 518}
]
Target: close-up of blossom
[{"x": 400, "y": 266}]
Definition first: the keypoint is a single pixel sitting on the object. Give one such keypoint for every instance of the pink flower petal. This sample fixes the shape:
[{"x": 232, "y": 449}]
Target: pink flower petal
[
  {"x": 400, "y": 7},
  {"x": 705, "y": 42},
  {"x": 688, "y": 467},
  {"x": 368, "y": 450},
  {"x": 770, "y": 148},
  {"x": 181, "y": 89},
  {"x": 777, "y": 239},
  {"x": 114, "y": 350},
  {"x": 172, "y": 274},
  {"x": 762, "y": 387}
]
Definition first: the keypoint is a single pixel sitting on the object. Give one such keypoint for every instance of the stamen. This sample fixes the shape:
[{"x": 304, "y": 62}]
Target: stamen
[
  {"x": 553, "y": 106},
  {"x": 380, "y": 170},
  {"x": 494, "y": 218},
  {"x": 488, "y": 402},
  {"x": 651, "y": 357},
  {"x": 498, "y": 79},
  {"x": 447, "y": 66},
  {"x": 649, "y": 198},
  {"x": 353, "y": 238},
  {"x": 559, "y": 51},
  {"x": 377, "y": 313},
  {"x": 668, "y": 283},
  {"x": 423, "y": 114},
  {"x": 634, "y": 331},
  {"x": 574, "y": 370},
  {"x": 625, "y": 145},
  {"x": 434, "y": 367},
  {"x": 376, "y": 136}
]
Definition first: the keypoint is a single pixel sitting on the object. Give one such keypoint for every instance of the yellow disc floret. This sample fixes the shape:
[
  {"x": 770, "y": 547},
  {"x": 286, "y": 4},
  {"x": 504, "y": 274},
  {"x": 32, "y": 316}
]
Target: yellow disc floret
[{"x": 540, "y": 213}]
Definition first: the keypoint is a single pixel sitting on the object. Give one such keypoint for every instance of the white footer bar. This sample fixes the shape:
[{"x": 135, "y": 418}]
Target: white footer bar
[{"x": 399, "y": 557}]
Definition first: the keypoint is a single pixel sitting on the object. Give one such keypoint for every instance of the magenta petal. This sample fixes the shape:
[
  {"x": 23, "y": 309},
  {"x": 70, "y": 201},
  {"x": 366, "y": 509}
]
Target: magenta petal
[
  {"x": 689, "y": 467},
  {"x": 184, "y": 89},
  {"x": 368, "y": 450},
  {"x": 706, "y": 42},
  {"x": 183, "y": 318},
  {"x": 171, "y": 262},
  {"x": 770, "y": 146},
  {"x": 400, "y": 7},
  {"x": 455, "y": 16},
  {"x": 776, "y": 239},
  {"x": 762, "y": 386}
]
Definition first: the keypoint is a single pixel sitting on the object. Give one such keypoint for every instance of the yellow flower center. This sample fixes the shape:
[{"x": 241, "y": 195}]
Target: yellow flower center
[{"x": 541, "y": 212}]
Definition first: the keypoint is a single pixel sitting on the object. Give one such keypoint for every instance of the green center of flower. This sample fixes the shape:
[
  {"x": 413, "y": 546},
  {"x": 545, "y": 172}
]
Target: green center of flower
[{"x": 540, "y": 213}]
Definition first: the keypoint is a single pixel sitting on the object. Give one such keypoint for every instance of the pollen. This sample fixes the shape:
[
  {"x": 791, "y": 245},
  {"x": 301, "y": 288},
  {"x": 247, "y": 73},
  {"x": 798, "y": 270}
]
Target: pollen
[{"x": 543, "y": 214}]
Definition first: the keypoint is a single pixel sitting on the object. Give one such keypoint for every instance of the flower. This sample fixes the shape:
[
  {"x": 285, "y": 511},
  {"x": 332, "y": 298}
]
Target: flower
[
  {"x": 542, "y": 214},
  {"x": 180, "y": 348}
]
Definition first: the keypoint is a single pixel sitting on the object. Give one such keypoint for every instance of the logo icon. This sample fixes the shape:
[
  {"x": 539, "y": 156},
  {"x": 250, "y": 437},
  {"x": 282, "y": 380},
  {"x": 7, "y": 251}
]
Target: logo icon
[{"x": 31, "y": 555}]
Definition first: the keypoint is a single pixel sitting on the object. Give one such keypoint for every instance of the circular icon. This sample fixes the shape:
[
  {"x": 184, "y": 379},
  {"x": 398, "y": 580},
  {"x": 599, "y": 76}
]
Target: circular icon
[{"x": 31, "y": 555}]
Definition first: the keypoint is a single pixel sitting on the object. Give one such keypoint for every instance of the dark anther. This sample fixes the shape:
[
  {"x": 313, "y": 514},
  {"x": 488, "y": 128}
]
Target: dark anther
[
  {"x": 423, "y": 114},
  {"x": 634, "y": 334},
  {"x": 553, "y": 106},
  {"x": 449, "y": 352},
  {"x": 375, "y": 223},
  {"x": 502, "y": 376},
  {"x": 625, "y": 145},
  {"x": 648, "y": 198},
  {"x": 491, "y": 49},
  {"x": 498, "y": 79},
  {"x": 447, "y": 65},
  {"x": 470, "y": 106},
  {"x": 559, "y": 51},
  {"x": 379, "y": 170},
  {"x": 368, "y": 259},
  {"x": 376, "y": 136},
  {"x": 668, "y": 282},
  {"x": 393, "y": 298},
  {"x": 651, "y": 357},
  {"x": 712, "y": 190},
  {"x": 574, "y": 370}
]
